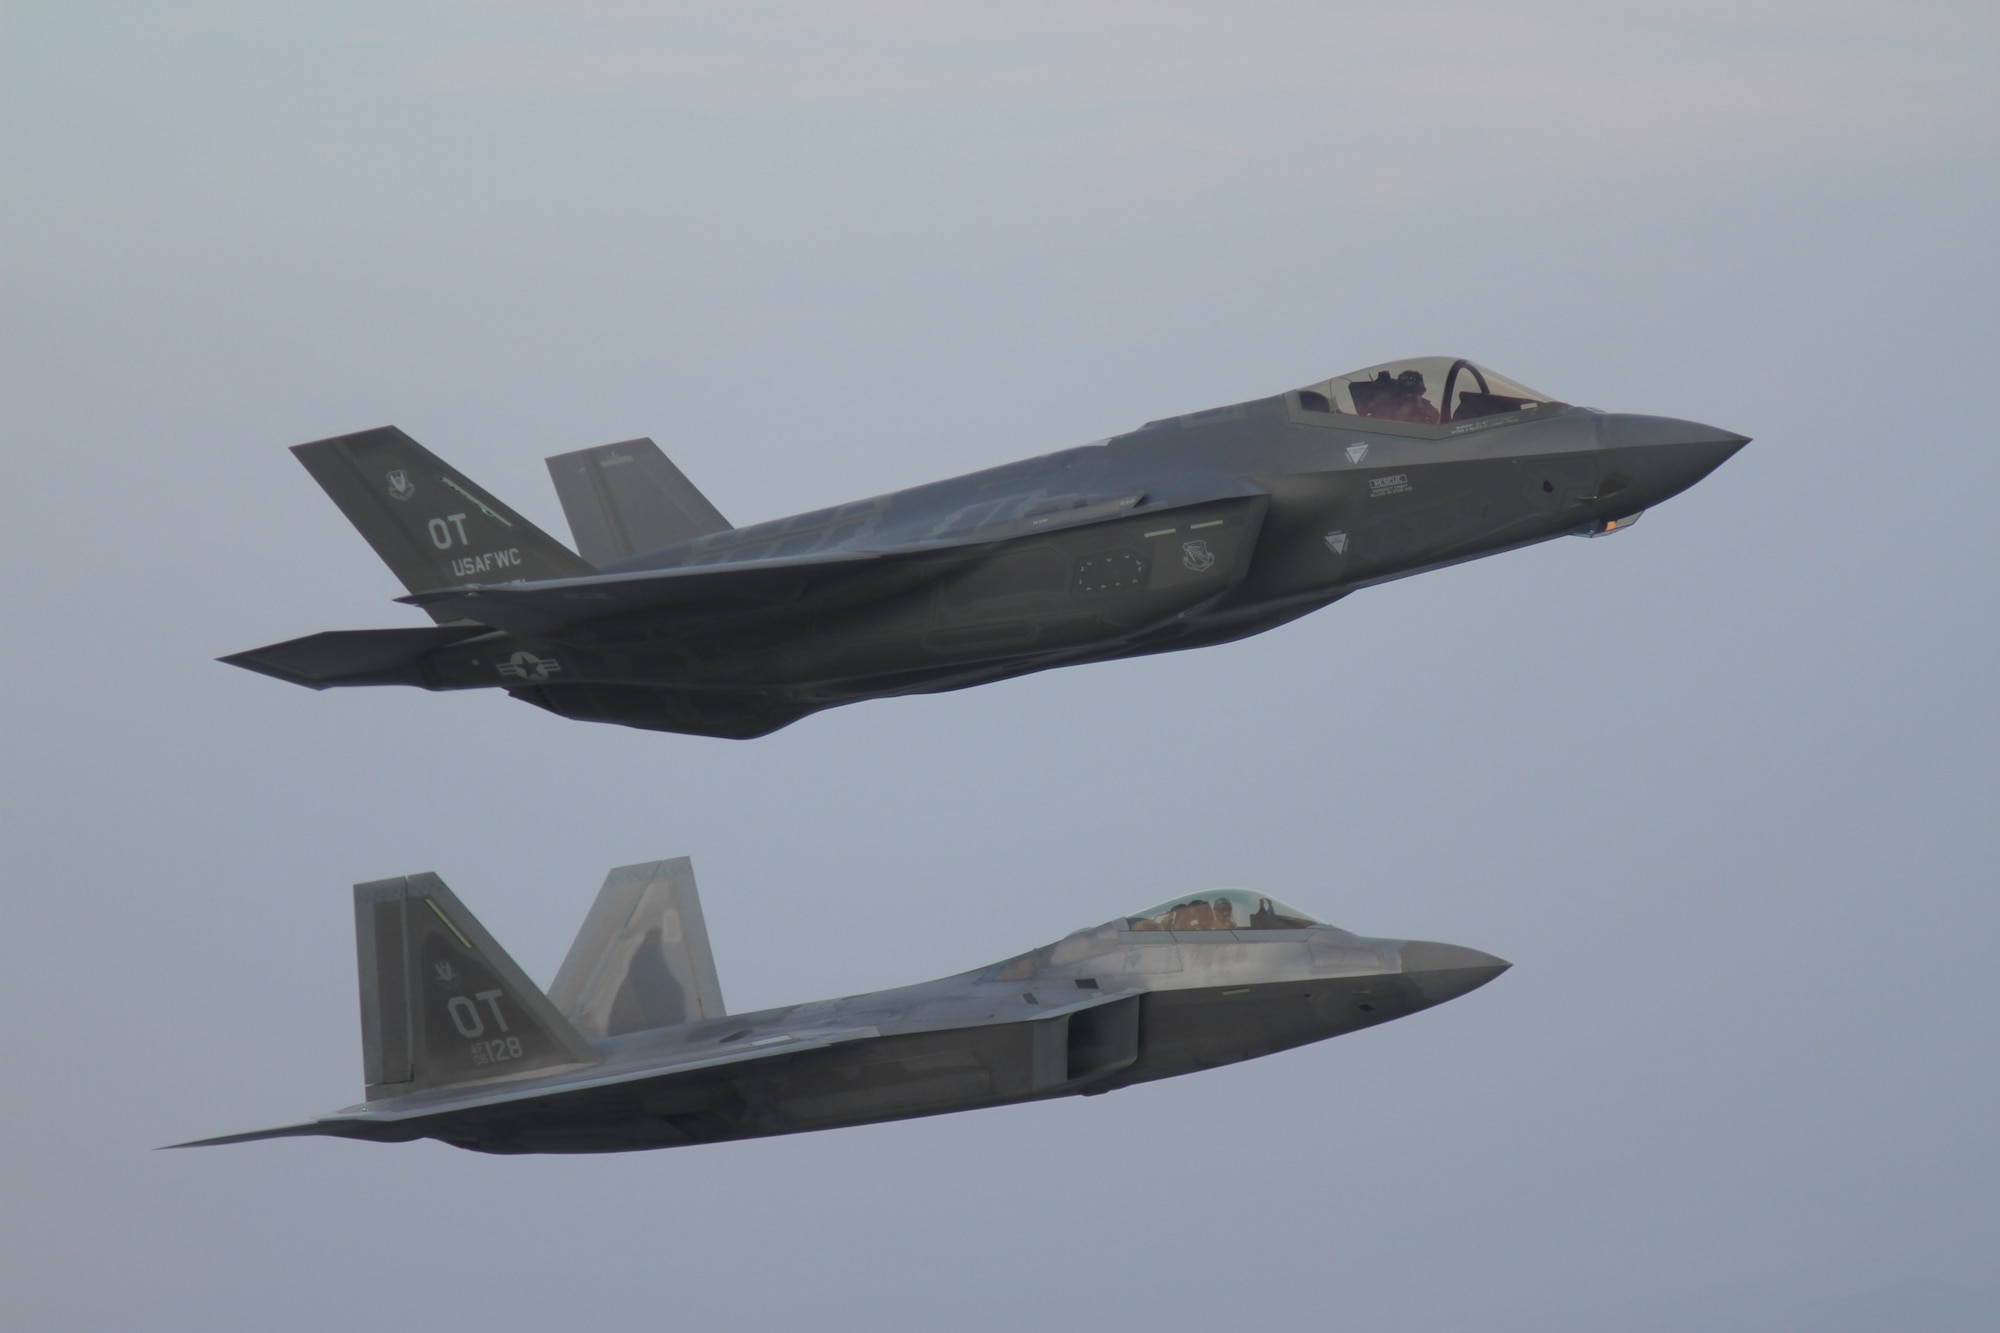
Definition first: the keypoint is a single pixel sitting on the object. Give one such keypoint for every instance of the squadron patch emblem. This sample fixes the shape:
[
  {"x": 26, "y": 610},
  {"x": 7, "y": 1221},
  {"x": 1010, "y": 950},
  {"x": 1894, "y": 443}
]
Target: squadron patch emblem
[{"x": 1197, "y": 557}]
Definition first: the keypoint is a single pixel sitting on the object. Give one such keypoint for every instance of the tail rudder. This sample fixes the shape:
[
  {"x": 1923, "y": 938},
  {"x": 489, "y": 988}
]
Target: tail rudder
[
  {"x": 441, "y": 1002},
  {"x": 431, "y": 524}
]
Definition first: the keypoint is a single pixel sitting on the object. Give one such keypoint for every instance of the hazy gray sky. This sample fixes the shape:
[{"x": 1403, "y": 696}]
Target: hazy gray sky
[{"x": 1722, "y": 787}]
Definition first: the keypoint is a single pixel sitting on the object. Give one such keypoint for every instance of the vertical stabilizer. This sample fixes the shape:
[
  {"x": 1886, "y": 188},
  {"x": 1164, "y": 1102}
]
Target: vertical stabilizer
[
  {"x": 642, "y": 959},
  {"x": 430, "y": 523},
  {"x": 441, "y": 1002},
  {"x": 622, "y": 499}
]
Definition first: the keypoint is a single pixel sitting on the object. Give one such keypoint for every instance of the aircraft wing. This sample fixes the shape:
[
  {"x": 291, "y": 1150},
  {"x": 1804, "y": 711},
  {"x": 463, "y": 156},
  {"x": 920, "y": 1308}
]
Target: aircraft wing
[
  {"x": 724, "y": 587},
  {"x": 547, "y": 605},
  {"x": 704, "y": 1057},
  {"x": 390, "y": 1119}
]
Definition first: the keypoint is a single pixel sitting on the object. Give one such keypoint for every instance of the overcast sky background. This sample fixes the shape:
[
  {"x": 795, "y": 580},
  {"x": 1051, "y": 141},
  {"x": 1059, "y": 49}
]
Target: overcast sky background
[{"x": 1722, "y": 787}]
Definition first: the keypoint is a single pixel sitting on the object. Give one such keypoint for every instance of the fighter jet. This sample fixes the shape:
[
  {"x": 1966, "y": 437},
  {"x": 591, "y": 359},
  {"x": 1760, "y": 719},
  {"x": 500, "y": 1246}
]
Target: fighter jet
[
  {"x": 631, "y": 1047},
  {"x": 1189, "y": 531}
]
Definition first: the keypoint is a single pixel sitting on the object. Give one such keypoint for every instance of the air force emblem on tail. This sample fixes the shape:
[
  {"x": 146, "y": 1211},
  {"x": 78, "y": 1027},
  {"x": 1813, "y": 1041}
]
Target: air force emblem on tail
[
  {"x": 400, "y": 486},
  {"x": 527, "y": 666}
]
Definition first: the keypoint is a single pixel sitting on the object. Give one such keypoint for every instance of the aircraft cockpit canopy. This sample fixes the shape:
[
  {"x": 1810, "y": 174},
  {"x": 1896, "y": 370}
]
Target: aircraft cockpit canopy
[
  {"x": 1423, "y": 390},
  {"x": 1221, "y": 909}
]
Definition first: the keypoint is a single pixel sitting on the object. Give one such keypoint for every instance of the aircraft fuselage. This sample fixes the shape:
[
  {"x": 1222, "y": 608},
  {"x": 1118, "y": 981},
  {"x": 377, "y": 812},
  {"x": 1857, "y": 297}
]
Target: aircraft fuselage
[{"x": 1237, "y": 521}]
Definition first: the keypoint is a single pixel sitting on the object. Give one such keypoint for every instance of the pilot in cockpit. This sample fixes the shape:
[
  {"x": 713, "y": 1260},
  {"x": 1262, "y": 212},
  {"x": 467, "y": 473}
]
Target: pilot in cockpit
[{"x": 1398, "y": 398}]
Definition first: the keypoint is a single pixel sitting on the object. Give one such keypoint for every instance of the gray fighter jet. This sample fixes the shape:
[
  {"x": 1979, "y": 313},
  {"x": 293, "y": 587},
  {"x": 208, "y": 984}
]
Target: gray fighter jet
[
  {"x": 631, "y": 1047},
  {"x": 1189, "y": 531}
]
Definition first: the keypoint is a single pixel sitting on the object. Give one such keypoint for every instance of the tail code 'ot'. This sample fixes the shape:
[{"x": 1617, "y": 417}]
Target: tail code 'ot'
[
  {"x": 430, "y": 524},
  {"x": 441, "y": 1002}
]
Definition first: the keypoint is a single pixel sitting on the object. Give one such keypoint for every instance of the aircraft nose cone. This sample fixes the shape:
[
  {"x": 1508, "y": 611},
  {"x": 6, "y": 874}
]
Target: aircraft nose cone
[
  {"x": 1446, "y": 971},
  {"x": 1664, "y": 456}
]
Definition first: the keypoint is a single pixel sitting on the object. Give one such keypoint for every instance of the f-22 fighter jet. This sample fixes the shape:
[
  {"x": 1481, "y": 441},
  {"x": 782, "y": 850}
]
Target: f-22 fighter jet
[
  {"x": 631, "y": 1047},
  {"x": 1189, "y": 531}
]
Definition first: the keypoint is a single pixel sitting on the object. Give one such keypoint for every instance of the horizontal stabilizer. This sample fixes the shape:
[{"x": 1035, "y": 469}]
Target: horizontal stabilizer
[
  {"x": 353, "y": 656},
  {"x": 641, "y": 959},
  {"x": 625, "y": 498},
  {"x": 441, "y": 1002},
  {"x": 431, "y": 524},
  {"x": 308, "y": 1130}
]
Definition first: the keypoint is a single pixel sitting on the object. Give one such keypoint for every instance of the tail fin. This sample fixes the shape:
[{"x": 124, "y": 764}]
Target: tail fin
[
  {"x": 431, "y": 526},
  {"x": 441, "y": 1003},
  {"x": 625, "y": 498},
  {"x": 641, "y": 959}
]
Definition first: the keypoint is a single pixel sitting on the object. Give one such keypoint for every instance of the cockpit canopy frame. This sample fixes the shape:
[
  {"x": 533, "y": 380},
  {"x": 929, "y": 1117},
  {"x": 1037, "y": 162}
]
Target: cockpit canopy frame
[
  {"x": 1422, "y": 395},
  {"x": 1220, "y": 909}
]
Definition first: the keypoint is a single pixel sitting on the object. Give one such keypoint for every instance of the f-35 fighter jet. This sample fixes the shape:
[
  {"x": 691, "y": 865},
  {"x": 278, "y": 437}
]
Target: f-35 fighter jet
[
  {"x": 631, "y": 1047},
  {"x": 1189, "y": 531}
]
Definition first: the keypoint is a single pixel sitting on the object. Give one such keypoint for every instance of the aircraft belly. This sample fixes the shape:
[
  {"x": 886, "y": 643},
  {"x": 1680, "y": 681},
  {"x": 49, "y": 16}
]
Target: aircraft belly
[{"x": 739, "y": 715}]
